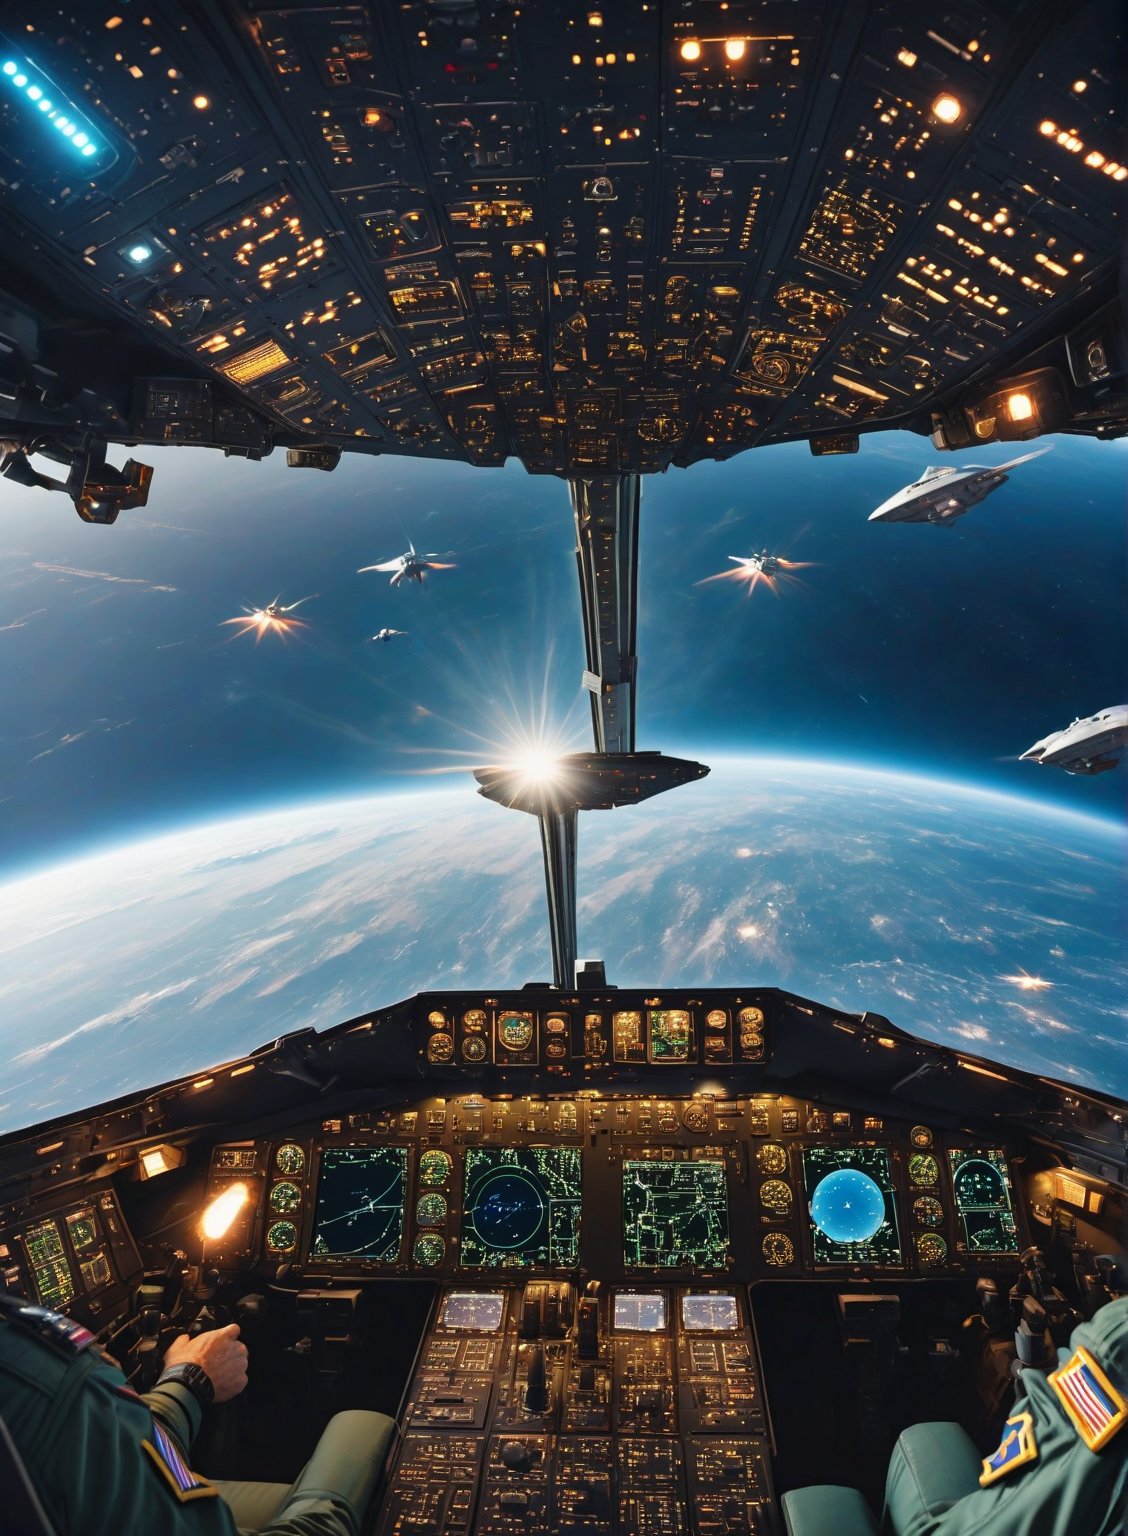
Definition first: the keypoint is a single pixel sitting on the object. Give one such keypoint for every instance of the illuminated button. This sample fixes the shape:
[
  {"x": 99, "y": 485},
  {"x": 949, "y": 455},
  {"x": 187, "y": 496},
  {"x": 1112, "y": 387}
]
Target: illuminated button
[
  {"x": 690, "y": 51},
  {"x": 734, "y": 48},
  {"x": 946, "y": 109},
  {"x": 848, "y": 1206}
]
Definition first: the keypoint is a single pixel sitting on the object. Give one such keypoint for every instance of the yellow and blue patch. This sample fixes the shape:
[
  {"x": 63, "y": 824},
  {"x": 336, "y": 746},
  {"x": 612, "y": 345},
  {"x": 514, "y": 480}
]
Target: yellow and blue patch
[
  {"x": 1016, "y": 1448},
  {"x": 167, "y": 1457},
  {"x": 1089, "y": 1398}
]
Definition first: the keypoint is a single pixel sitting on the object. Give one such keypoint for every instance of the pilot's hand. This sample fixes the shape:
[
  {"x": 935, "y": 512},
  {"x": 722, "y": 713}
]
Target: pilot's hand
[{"x": 219, "y": 1353}]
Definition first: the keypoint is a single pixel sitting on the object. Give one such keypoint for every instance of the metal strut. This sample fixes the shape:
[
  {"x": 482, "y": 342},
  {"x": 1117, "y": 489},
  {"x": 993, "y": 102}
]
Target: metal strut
[
  {"x": 558, "y": 841},
  {"x": 606, "y": 513}
]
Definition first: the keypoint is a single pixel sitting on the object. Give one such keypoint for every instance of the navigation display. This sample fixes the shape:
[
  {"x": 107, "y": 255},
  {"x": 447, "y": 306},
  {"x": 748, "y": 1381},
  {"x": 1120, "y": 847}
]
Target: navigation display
[
  {"x": 675, "y": 1215},
  {"x": 473, "y": 1311},
  {"x": 521, "y": 1207},
  {"x": 709, "y": 1312},
  {"x": 982, "y": 1187},
  {"x": 639, "y": 1312},
  {"x": 360, "y": 1199},
  {"x": 852, "y": 1205},
  {"x": 54, "y": 1282}
]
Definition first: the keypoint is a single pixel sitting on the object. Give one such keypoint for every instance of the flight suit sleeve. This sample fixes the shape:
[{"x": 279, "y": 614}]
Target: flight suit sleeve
[{"x": 178, "y": 1408}]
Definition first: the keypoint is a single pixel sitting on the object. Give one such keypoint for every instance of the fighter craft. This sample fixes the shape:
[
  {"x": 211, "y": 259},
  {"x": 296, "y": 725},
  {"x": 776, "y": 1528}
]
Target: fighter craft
[
  {"x": 1092, "y": 745},
  {"x": 274, "y": 616},
  {"x": 945, "y": 493},
  {"x": 385, "y": 635},
  {"x": 409, "y": 567}
]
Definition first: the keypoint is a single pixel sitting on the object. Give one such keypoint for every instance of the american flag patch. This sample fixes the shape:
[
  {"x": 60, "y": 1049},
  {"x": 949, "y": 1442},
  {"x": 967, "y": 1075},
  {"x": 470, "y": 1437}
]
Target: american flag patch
[
  {"x": 167, "y": 1456},
  {"x": 1089, "y": 1398}
]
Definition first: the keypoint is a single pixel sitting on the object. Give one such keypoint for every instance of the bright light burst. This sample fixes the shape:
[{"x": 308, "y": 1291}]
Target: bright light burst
[
  {"x": 771, "y": 571},
  {"x": 1027, "y": 983},
  {"x": 274, "y": 616}
]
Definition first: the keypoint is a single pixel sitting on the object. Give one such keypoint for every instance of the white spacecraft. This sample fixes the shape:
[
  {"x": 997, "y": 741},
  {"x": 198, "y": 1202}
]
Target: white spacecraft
[
  {"x": 1092, "y": 745},
  {"x": 411, "y": 566},
  {"x": 944, "y": 493}
]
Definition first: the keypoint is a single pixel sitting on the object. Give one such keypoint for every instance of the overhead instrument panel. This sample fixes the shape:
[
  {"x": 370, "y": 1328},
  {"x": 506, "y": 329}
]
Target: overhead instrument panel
[
  {"x": 984, "y": 1206},
  {"x": 675, "y": 1215},
  {"x": 358, "y": 1217},
  {"x": 521, "y": 1207},
  {"x": 853, "y": 1208}
]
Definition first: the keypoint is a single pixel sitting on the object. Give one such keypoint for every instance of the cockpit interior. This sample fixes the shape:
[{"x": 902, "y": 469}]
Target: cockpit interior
[{"x": 639, "y": 1264}]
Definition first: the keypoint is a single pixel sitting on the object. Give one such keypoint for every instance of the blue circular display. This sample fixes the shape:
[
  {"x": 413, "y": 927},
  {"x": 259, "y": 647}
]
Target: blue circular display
[{"x": 848, "y": 1206}]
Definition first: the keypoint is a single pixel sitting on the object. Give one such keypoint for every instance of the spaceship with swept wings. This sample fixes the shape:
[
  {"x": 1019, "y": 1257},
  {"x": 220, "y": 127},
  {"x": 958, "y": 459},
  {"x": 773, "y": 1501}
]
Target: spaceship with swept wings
[
  {"x": 384, "y": 635},
  {"x": 411, "y": 566},
  {"x": 1092, "y": 745},
  {"x": 276, "y": 615},
  {"x": 945, "y": 492}
]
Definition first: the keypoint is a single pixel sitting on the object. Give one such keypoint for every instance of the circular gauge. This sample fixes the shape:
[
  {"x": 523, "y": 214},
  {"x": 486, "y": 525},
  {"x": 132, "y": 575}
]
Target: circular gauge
[
  {"x": 440, "y": 1048},
  {"x": 555, "y": 1025},
  {"x": 921, "y": 1137},
  {"x": 285, "y": 1198},
  {"x": 776, "y": 1195},
  {"x": 927, "y": 1211},
  {"x": 778, "y": 1249},
  {"x": 751, "y": 1042},
  {"x": 473, "y": 1048},
  {"x": 437, "y": 1020},
  {"x": 771, "y": 1158},
  {"x": 555, "y": 1049},
  {"x": 932, "y": 1248},
  {"x": 429, "y": 1249},
  {"x": 474, "y": 1018},
  {"x": 923, "y": 1168},
  {"x": 695, "y": 1117},
  {"x": 752, "y": 1018},
  {"x": 515, "y": 1031},
  {"x": 431, "y": 1210},
  {"x": 848, "y": 1206},
  {"x": 289, "y": 1158},
  {"x": 282, "y": 1237},
  {"x": 434, "y": 1167},
  {"x": 716, "y": 1018}
]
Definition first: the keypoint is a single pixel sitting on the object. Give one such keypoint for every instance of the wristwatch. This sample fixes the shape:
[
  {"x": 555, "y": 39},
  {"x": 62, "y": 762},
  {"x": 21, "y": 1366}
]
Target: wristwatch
[{"x": 194, "y": 1377}]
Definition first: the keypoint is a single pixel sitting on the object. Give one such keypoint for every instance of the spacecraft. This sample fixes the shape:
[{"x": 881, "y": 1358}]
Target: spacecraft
[
  {"x": 411, "y": 566},
  {"x": 945, "y": 492},
  {"x": 276, "y": 615},
  {"x": 1092, "y": 745},
  {"x": 762, "y": 564},
  {"x": 388, "y": 634}
]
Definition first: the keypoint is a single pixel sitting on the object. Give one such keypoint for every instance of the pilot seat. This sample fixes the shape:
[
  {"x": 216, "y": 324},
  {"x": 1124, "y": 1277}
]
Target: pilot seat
[
  {"x": 345, "y": 1470},
  {"x": 1061, "y": 1468}
]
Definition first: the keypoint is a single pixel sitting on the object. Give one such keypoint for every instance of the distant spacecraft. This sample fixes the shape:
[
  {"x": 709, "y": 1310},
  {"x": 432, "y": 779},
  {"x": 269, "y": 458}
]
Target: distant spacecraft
[
  {"x": 1092, "y": 745},
  {"x": 409, "y": 567},
  {"x": 946, "y": 492},
  {"x": 387, "y": 634},
  {"x": 275, "y": 615},
  {"x": 754, "y": 569}
]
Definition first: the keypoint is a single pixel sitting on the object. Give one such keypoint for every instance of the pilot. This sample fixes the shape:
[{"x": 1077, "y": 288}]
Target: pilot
[{"x": 82, "y": 1454}]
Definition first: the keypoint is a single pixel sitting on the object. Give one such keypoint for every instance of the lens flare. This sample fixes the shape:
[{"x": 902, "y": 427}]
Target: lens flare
[
  {"x": 1027, "y": 983},
  {"x": 771, "y": 571},
  {"x": 274, "y": 617}
]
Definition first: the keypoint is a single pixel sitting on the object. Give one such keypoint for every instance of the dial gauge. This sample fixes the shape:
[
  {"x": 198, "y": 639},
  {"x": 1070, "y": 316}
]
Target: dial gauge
[
  {"x": 716, "y": 1018},
  {"x": 440, "y": 1047},
  {"x": 428, "y": 1250},
  {"x": 695, "y": 1117},
  {"x": 437, "y": 1020},
  {"x": 434, "y": 1167},
  {"x": 752, "y": 1018},
  {"x": 927, "y": 1211},
  {"x": 778, "y": 1249},
  {"x": 282, "y": 1237},
  {"x": 474, "y": 1018},
  {"x": 771, "y": 1158},
  {"x": 924, "y": 1169},
  {"x": 921, "y": 1137},
  {"x": 431, "y": 1210},
  {"x": 285, "y": 1197},
  {"x": 932, "y": 1248},
  {"x": 473, "y": 1048},
  {"x": 776, "y": 1196},
  {"x": 290, "y": 1158}
]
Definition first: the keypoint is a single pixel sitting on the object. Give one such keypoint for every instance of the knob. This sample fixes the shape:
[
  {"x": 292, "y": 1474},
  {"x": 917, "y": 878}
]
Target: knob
[
  {"x": 516, "y": 1455},
  {"x": 536, "y": 1382}
]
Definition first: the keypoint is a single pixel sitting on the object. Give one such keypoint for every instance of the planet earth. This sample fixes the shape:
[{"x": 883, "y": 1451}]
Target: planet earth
[{"x": 987, "y": 922}]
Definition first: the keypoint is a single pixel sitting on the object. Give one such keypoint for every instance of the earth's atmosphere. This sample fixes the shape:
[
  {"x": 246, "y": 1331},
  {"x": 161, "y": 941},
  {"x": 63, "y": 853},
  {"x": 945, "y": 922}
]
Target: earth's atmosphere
[{"x": 971, "y": 918}]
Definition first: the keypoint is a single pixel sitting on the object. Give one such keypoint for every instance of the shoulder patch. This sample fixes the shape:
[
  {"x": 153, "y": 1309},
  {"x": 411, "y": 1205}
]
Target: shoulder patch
[
  {"x": 165, "y": 1454},
  {"x": 1089, "y": 1398},
  {"x": 1016, "y": 1448}
]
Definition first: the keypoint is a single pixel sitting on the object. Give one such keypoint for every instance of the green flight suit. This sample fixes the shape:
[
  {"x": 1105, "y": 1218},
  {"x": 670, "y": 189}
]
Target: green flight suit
[{"x": 93, "y": 1450}]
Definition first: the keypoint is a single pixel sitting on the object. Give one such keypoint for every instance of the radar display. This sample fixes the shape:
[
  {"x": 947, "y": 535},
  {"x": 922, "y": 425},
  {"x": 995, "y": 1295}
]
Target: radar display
[
  {"x": 675, "y": 1215},
  {"x": 360, "y": 1199},
  {"x": 852, "y": 1205},
  {"x": 982, "y": 1187},
  {"x": 521, "y": 1207}
]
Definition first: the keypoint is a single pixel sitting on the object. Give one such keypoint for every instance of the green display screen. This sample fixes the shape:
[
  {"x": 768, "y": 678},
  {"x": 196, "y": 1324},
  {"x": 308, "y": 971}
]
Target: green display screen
[
  {"x": 360, "y": 1199},
  {"x": 675, "y": 1215},
  {"x": 982, "y": 1187},
  {"x": 521, "y": 1207}
]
